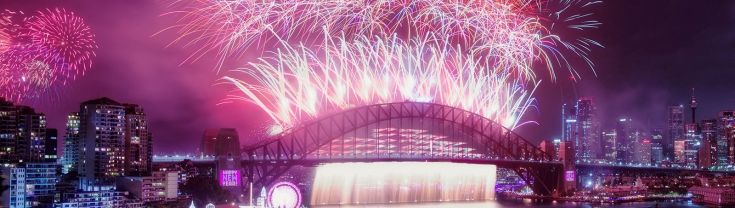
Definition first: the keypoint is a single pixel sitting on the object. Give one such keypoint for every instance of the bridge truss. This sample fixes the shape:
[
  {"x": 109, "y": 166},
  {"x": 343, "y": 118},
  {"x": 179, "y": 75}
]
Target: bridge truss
[{"x": 404, "y": 131}]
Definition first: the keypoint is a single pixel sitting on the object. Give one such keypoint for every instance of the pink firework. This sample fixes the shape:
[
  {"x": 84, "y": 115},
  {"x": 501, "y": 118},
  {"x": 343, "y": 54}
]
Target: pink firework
[
  {"x": 9, "y": 28},
  {"x": 62, "y": 32},
  {"x": 28, "y": 71}
]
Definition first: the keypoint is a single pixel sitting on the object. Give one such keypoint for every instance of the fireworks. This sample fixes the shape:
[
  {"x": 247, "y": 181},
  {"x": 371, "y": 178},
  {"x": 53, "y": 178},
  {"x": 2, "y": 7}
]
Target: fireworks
[
  {"x": 511, "y": 32},
  {"x": 478, "y": 55},
  {"x": 48, "y": 49},
  {"x": 61, "y": 32},
  {"x": 298, "y": 84}
]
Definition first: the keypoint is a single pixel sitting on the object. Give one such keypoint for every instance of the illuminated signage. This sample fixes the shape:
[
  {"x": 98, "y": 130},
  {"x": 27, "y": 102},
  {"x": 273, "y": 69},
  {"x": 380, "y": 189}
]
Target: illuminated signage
[{"x": 230, "y": 178}]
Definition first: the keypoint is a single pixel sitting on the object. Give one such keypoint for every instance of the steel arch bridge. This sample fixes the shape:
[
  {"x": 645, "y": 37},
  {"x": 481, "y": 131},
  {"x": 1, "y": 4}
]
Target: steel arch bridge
[{"x": 403, "y": 131}]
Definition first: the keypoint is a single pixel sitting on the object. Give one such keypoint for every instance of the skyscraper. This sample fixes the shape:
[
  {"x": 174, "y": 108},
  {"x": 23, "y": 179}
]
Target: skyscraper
[
  {"x": 580, "y": 125},
  {"x": 623, "y": 140},
  {"x": 588, "y": 138},
  {"x": 675, "y": 129},
  {"x": 726, "y": 138},
  {"x": 569, "y": 123},
  {"x": 101, "y": 144},
  {"x": 643, "y": 151},
  {"x": 608, "y": 142},
  {"x": 30, "y": 142},
  {"x": 692, "y": 142},
  {"x": 657, "y": 144},
  {"x": 50, "y": 153},
  {"x": 71, "y": 144},
  {"x": 22, "y": 134},
  {"x": 138, "y": 142},
  {"x": 708, "y": 148}
]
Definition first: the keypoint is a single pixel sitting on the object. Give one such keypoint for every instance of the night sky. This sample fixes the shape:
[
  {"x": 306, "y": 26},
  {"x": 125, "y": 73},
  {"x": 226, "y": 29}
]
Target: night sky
[{"x": 655, "y": 52}]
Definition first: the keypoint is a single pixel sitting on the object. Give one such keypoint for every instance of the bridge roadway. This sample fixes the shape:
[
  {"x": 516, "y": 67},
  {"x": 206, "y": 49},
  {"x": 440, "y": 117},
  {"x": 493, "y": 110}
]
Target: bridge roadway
[{"x": 163, "y": 160}]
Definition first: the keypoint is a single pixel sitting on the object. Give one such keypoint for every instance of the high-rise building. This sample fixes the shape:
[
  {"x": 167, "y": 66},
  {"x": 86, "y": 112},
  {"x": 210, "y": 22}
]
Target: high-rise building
[
  {"x": 50, "y": 145},
  {"x": 692, "y": 143},
  {"x": 693, "y": 106},
  {"x": 107, "y": 139},
  {"x": 569, "y": 123},
  {"x": 101, "y": 144},
  {"x": 8, "y": 132},
  {"x": 657, "y": 144},
  {"x": 643, "y": 152},
  {"x": 624, "y": 139},
  {"x": 708, "y": 148},
  {"x": 22, "y": 134},
  {"x": 71, "y": 144},
  {"x": 557, "y": 146},
  {"x": 138, "y": 142},
  {"x": 581, "y": 126},
  {"x": 32, "y": 134},
  {"x": 209, "y": 138},
  {"x": 588, "y": 131},
  {"x": 679, "y": 149},
  {"x": 726, "y": 138},
  {"x": 675, "y": 129},
  {"x": 608, "y": 142}
]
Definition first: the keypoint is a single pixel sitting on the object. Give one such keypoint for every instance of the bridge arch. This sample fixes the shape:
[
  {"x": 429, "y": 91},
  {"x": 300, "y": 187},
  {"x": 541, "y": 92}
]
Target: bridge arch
[{"x": 460, "y": 135}]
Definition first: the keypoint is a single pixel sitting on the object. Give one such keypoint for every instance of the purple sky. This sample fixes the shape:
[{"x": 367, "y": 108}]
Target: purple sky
[{"x": 655, "y": 51}]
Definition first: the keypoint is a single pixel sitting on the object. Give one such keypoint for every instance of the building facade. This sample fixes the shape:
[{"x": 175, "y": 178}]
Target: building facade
[
  {"x": 726, "y": 138},
  {"x": 138, "y": 142},
  {"x": 692, "y": 143},
  {"x": 588, "y": 131},
  {"x": 101, "y": 146},
  {"x": 30, "y": 184},
  {"x": 623, "y": 140},
  {"x": 22, "y": 134},
  {"x": 158, "y": 187},
  {"x": 708, "y": 146},
  {"x": 657, "y": 145},
  {"x": 50, "y": 146},
  {"x": 610, "y": 148},
  {"x": 71, "y": 144},
  {"x": 675, "y": 129}
]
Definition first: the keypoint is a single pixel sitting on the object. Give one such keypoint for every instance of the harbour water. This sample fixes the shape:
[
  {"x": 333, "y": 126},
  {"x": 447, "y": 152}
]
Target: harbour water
[{"x": 528, "y": 203}]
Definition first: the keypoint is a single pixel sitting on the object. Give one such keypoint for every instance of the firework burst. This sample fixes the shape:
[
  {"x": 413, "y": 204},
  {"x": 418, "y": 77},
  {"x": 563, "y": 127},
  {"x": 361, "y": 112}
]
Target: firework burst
[
  {"x": 66, "y": 34},
  {"x": 298, "y": 84},
  {"x": 41, "y": 52},
  {"x": 512, "y": 32}
]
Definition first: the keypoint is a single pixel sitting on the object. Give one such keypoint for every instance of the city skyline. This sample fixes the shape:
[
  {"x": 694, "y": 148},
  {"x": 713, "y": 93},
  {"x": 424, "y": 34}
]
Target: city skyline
[{"x": 211, "y": 103}]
